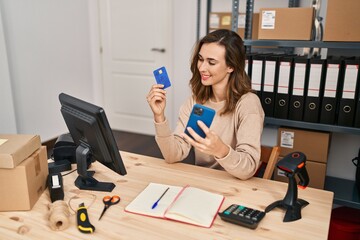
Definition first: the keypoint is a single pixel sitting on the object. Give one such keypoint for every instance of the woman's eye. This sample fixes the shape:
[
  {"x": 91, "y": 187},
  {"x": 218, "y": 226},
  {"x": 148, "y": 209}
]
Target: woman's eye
[{"x": 211, "y": 63}]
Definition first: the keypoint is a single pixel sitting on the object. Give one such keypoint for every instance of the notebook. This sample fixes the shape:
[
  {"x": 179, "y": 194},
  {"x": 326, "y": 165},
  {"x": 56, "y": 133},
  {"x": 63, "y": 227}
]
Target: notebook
[{"x": 184, "y": 204}]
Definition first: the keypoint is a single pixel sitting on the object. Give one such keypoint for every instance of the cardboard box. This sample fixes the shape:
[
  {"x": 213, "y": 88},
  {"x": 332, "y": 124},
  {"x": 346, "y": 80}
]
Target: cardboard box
[
  {"x": 316, "y": 172},
  {"x": 15, "y": 148},
  {"x": 342, "y": 21},
  {"x": 314, "y": 144},
  {"x": 222, "y": 20},
  {"x": 22, "y": 186},
  {"x": 286, "y": 23}
]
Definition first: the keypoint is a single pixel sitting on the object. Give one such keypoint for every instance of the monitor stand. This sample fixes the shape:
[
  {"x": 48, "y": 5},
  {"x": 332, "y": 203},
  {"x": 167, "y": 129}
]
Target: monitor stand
[{"x": 85, "y": 180}]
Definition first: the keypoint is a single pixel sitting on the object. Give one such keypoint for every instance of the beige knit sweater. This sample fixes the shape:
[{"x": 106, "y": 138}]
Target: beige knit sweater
[{"x": 241, "y": 130}]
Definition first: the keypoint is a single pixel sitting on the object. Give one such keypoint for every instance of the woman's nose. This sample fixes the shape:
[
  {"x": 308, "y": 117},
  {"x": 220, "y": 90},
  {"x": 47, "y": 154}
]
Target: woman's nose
[{"x": 202, "y": 66}]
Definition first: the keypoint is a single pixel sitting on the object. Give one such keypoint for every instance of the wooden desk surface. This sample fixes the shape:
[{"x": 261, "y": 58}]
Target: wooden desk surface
[{"x": 117, "y": 224}]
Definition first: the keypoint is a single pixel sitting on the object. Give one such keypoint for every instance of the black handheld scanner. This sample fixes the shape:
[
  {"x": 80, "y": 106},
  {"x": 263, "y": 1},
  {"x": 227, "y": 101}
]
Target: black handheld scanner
[{"x": 294, "y": 163}]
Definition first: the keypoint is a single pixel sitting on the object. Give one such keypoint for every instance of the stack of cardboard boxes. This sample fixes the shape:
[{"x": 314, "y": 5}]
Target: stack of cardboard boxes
[
  {"x": 222, "y": 20},
  {"x": 314, "y": 144},
  {"x": 23, "y": 171},
  {"x": 296, "y": 23}
]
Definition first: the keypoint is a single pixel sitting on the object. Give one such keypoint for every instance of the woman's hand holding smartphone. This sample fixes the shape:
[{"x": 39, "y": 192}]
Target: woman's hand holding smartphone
[{"x": 202, "y": 113}]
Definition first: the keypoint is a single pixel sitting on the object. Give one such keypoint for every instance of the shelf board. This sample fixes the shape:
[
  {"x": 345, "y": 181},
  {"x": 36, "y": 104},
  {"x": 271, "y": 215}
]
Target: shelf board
[
  {"x": 312, "y": 126},
  {"x": 309, "y": 44},
  {"x": 345, "y": 191}
]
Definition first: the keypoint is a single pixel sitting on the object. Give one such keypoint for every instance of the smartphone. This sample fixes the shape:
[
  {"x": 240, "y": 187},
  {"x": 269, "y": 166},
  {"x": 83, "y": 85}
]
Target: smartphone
[
  {"x": 162, "y": 77},
  {"x": 202, "y": 113}
]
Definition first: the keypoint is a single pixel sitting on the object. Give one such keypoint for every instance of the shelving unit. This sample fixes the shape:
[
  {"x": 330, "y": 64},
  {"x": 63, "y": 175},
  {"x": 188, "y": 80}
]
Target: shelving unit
[
  {"x": 345, "y": 191},
  {"x": 305, "y": 44}
]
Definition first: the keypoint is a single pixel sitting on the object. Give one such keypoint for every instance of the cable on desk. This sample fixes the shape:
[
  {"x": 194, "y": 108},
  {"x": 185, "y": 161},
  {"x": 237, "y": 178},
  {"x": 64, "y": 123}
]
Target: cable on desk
[{"x": 82, "y": 196}]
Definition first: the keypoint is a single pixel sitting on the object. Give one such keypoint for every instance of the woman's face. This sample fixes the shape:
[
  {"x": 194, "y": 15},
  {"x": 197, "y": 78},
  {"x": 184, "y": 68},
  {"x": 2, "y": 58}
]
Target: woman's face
[{"x": 212, "y": 65}]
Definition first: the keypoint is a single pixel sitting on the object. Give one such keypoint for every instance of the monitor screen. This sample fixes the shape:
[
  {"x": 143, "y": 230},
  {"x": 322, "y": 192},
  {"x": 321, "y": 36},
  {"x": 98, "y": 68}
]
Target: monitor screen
[{"x": 94, "y": 139}]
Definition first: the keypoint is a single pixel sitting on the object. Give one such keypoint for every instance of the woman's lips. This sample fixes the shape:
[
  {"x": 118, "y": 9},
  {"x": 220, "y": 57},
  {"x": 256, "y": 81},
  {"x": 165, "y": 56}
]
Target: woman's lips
[{"x": 205, "y": 77}]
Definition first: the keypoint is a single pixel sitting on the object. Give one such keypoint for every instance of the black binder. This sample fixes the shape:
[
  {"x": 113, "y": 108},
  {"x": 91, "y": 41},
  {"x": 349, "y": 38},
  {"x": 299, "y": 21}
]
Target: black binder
[
  {"x": 331, "y": 92},
  {"x": 347, "y": 102},
  {"x": 282, "y": 98},
  {"x": 271, "y": 72},
  {"x": 248, "y": 63},
  {"x": 314, "y": 90},
  {"x": 301, "y": 72},
  {"x": 257, "y": 73},
  {"x": 357, "y": 100}
]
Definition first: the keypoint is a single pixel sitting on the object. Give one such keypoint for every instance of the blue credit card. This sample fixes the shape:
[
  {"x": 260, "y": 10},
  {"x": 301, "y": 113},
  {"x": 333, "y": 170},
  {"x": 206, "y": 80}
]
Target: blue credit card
[{"x": 162, "y": 77}]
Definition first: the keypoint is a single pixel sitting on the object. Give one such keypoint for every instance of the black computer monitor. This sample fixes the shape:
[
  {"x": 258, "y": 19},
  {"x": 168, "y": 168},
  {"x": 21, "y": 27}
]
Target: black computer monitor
[{"x": 94, "y": 139}]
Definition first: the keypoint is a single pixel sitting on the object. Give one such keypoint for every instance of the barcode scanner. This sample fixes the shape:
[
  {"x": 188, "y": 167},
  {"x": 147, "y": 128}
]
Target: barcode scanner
[{"x": 292, "y": 164}]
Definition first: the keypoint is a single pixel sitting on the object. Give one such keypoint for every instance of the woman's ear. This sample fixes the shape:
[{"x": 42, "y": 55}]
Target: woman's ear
[{"x": 230, "y": 69}]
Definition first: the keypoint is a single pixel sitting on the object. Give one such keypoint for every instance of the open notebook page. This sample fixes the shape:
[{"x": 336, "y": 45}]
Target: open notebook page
[
  {"x": 195, "y": 206},
  {"x": 144, "y": 201}
]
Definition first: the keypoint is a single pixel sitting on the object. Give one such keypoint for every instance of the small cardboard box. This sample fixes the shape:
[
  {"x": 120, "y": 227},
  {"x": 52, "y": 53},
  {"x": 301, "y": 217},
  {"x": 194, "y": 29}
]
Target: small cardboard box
[
  {"x": 222, "y": 20},
  {"x": 315, "y": 145},
  {"x": 342, "y": 21},
  {"x": 15, "y": 148},
  {"x": 286, "y": 23},
  {"x": 316, "y": 172},
  {"x": 21, "y": 187}
]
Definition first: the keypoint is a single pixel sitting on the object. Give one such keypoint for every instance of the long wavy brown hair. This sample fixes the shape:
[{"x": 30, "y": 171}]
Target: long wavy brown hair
[{"x": 239, "y": 81}]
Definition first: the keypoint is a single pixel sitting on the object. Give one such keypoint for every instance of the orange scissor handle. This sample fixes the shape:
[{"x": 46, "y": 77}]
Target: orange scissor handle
[{"x": 111, "y": 200}]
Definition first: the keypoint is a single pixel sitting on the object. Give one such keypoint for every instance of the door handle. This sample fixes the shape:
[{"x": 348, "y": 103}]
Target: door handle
[{"x": 158, "y": 50}]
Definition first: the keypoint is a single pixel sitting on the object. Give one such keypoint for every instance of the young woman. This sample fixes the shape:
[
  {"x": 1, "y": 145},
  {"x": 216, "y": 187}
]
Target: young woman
[{"x": 220, "y": 82}]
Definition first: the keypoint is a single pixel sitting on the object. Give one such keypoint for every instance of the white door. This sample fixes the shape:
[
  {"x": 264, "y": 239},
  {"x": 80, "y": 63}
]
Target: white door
[{"x": 135, "y": 39}]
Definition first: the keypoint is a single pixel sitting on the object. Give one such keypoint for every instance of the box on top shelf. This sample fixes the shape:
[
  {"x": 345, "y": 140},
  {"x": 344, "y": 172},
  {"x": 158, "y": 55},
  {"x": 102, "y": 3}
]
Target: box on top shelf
[
  {"x": 342, "y": 21},
  {"x": 15, "y": 148},
  {"x": 286, "y": 23},
  {"x": 223, "y": 20},
  {"x": 315, "y": 145},
  {"x": 21, "y": 187}
]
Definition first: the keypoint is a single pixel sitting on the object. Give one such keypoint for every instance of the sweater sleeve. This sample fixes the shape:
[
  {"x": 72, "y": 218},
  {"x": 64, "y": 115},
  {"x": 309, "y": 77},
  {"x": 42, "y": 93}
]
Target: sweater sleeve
[
  {"x": 243, "y": 160},
  {"x": 173, "y": 147}
]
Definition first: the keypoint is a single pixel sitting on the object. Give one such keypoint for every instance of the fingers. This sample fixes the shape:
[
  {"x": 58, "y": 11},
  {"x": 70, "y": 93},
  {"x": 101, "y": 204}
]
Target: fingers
[
  {"x": 203, "y": 127},
  {"x": 156, "y": 93}
]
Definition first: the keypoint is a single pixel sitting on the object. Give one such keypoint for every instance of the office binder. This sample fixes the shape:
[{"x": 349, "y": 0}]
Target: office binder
[
  {"x": 296, "y": 105},
  {"x": 314, "y": 90},
  {"x": 248, "y": 63},
  {"x": 257, "y": 73},
  {"x": 271, "y": 72},
  {"x": 331, "y": 92},
  {"x": 282, "y": 98},
  {"x": 347, "y": 99},
  {"x": 357, "y": 100}
]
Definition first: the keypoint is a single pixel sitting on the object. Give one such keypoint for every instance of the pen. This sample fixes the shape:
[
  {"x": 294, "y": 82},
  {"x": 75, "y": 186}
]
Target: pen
[{"x": 156, "y": 203}]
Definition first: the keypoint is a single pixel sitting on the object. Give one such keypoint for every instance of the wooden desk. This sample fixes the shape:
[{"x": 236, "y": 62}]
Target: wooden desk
[{"x": 117, "y": 224}]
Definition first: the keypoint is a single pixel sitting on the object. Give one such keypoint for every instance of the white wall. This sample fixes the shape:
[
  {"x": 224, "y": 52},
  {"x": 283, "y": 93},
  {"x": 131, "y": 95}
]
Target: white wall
[
  {"x": 7, "y": 116},
  {"x": 52, "y": 47},
  {"x": 48, "y": 49}
]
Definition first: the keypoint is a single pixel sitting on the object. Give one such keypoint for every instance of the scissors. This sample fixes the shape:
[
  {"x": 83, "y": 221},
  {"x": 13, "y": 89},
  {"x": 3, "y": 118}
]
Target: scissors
[{"x": 108, "y": 201}]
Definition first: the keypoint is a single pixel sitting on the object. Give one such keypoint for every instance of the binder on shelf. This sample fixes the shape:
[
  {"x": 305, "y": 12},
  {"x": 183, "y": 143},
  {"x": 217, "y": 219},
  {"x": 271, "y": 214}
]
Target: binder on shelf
[
  {"x": 257, "y": 73},
  {"x": 347, "y": 102},
  {"x": 357, "y": 100},
  {"x": 296, "y": 105},
  {"x": 314, "y": 90},
  {"x": 248, "y": 63},
  {"x": 285, "y": 76},
  {"x": 331, "y": 92},
  {"x": 271, "y": 72}
]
